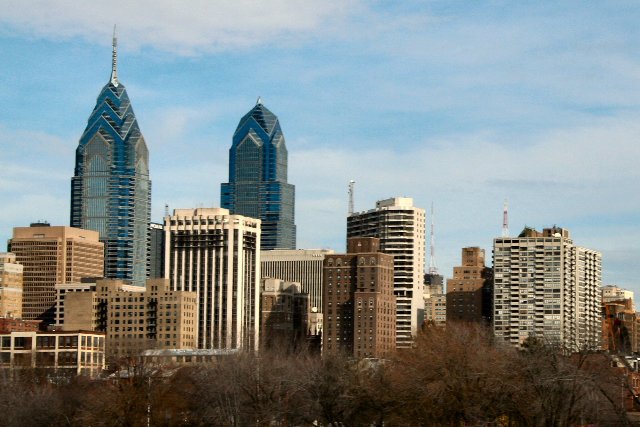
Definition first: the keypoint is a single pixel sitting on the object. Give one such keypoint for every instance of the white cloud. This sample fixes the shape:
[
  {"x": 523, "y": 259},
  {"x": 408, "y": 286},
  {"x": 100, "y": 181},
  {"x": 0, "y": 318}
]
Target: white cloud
[{"x": 182, "y": 27}]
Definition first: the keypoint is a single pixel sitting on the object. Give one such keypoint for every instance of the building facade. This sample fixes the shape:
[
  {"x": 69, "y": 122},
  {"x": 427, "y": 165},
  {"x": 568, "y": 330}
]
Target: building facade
[
  {"x": 284, "y": 314},
  {"x": 77, "y": 353},
  {"x": 400, "y": 226},
  {"x": 546, "y": 288},
  {"x": 301, "y": 265},
  {"x": 10, "y": 286},
  {"x": 49, "y": 256},
  {"x": 359, "y": 302},
  {"x": 156, "y": 251},
  {"x": 110, "y": 189},
  {"x": 134, "y": 318},
  {"x": 217, "y": 256},
  {"x": 258, "y": 186},
  {"x": 469, "y": 292}
]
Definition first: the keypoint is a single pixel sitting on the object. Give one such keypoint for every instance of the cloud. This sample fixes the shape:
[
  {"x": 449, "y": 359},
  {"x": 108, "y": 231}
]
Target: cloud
[{"x": 180, "y": 27}]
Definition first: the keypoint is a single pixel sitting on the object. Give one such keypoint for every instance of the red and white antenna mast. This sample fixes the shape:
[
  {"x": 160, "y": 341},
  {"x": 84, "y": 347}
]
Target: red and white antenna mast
[
  {"x": 505, "y": 219},
  {"x": 433, "y": 268}
]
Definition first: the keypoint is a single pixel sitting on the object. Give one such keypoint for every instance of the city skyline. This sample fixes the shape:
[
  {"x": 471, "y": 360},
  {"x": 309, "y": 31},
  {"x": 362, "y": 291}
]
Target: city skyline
[{"x": 445, "y": 102}]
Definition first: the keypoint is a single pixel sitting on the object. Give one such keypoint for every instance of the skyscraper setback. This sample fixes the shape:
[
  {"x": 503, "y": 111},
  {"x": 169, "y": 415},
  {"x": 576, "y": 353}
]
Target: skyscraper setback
[
  {"x": 257, "y": 184},
  {"x": 111, "y": 190}
]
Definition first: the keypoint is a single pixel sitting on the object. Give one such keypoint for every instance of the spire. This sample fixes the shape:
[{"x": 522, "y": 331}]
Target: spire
[
  {"x": 259, "y": 101},
  {"x": 505, "y": 219},
  {"x": 114, "y": 60}
]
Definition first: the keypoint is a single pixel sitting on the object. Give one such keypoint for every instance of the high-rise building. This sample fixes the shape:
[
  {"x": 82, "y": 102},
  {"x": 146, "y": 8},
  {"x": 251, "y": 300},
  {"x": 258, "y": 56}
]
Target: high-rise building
[
  {"x": 10, "y": 286},
  {"x": 217, "y": 255},
  {"x": 257, "y": 184},
  {"x": 400, "y": 226},
  {"x": 156, "y": 251},
  {"x": 469, "y": 292},
  {"x": 50, "y": 256},
  {"x": 134, "y": 318},
  {"x": 359, "y": 305},
  {"x": 300, "y": 265},
  {"x": 546, "y": 288},
  {"x": 284, "y": 312},
  {"x": 111, "y": 190}
]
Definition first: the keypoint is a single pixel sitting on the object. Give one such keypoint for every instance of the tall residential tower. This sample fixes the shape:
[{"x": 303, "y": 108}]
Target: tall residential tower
[
  {"x": 257, "y": 184},
  {"x": 111, "y": 190}
]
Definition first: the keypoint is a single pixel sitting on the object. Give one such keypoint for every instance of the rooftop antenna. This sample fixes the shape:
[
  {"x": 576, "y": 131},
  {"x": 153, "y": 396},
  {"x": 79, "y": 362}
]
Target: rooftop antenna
[
  {"x": 166, "y": 209},
  {"x": 351, "y": 188},
  {"x": 114, "y": 60},
  {"x": 505, "y": 219},
  {"x": 433, "y": 268}
]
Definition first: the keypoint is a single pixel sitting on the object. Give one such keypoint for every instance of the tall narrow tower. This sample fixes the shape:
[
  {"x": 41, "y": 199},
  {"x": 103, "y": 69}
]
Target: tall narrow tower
[
  {"x": 258, "y": 185},
  {"x": 111, "y": 190},
  {"x": 433, "y": 267}
]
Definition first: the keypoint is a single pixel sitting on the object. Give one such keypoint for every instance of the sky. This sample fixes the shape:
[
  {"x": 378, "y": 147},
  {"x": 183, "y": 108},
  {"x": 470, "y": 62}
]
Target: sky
[{"x": 454, "y": 103}]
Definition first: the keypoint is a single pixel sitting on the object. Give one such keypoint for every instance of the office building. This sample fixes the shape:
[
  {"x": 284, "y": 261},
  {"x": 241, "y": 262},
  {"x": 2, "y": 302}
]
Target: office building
[
  {"x": 303, "y": 266},
  {"x": 217, "y": 255},
  {"x": 156, "y": 251},
  {"x": 469, "y": 292},
  {"x": 548, "y": 289},
  {"x": 400, "y": 226},
  {"x": 258, "y": 186},
  {"x": 359, "y": 302},
  {"x": 134, "y": 318},
  {"x": 10, "y": 286},
  {"x": 110, "y": 189},
  {"x": 49, "y": 256},
  {"x": 284, "y": 315}
]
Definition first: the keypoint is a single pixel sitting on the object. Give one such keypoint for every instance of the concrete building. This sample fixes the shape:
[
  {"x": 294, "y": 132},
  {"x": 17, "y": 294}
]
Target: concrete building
[
  {"x": 359, "y": 303},
  {"x": 400, "y": 226},
  {"x": 217, "y": 256},
  {"x": 284, "y": 314},
  {"x": 436, "y": 310},
  {"x": 469, "y": 292},
  {"x": 134, "y": 318},
  {"x": 10, "y": 286},
  {"x": 547, "y": 288},
  {"x": 77, "y": 353},
  {"x": 302, "y": 265},
  {"x": 50, "y": 256},
  {"x": 616, "y": 293}
]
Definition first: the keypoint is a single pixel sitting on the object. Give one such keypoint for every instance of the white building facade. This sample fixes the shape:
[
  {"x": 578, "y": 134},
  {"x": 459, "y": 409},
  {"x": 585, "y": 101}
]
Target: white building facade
[
  {"x": 217, "y": 255},
  {"x": 547, "y": 288},
  {"x": 400, "y": 226}
]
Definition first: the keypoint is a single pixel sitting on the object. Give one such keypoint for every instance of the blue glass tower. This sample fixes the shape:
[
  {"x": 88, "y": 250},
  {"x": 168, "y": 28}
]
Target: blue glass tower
[
  {"x": 111, "y": 190},
  {"x": 257, "y": 184}
]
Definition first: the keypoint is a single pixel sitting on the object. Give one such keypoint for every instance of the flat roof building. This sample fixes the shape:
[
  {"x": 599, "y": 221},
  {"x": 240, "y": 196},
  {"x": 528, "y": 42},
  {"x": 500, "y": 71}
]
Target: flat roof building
[{"x": 10, "y": 286}]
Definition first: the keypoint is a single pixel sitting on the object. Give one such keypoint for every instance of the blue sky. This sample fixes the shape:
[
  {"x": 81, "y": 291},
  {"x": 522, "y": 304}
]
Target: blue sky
[{"x": 458, "y": 103}]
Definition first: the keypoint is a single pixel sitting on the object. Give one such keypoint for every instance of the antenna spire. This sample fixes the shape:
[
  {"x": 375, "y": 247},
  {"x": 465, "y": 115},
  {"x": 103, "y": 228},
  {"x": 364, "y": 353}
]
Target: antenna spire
[
  {"x": 351, "y": 188},
  {"x": 114, "y": 59},
  {"x": 505, "y": 219},
  {"x": 433, "y": 268}
]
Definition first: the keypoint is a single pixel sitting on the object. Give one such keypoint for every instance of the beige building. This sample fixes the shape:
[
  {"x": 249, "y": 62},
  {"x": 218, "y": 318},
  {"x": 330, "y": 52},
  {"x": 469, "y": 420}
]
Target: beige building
[
  {"x": 359, "y": 304},
  {"x": 400, "y": 226},
  {"x": 134, "y": 318},
  {"x": 53, "y": 255},
  {"x": 217, "y": 256},
  {"x": 547, "y": 288},
  {"x": 297, "y": 265},
  {"x": 79, "y": 353},
  {"x": 469, "y": 293},
  {"x": 10, "y": 286}
]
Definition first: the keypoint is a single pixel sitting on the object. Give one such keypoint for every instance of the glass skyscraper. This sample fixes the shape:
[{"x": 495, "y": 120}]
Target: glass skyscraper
[
  {"x": 257, "y": 184},
  {"x": 111, "y": 190}
]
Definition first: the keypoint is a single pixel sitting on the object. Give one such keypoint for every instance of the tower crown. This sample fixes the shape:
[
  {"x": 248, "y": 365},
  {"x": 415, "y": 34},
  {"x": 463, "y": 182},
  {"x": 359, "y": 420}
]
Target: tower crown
[{"x": 114, "y": 60}]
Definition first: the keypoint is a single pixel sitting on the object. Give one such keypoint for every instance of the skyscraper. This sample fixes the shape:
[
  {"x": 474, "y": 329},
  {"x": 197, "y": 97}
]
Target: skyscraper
[
  {"x": 469, "y": 292},
  {"x": 547, "y": 288},
  {"x": 400, "y": 226},
  {"x": 257, "y": 184},
  {"x": 217, "y": 255},
  {"x": 111, "y": 190}
]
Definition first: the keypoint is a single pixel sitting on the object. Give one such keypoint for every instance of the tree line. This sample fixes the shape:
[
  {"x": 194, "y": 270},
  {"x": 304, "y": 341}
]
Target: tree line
[{"x": 458, "y": 376}]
